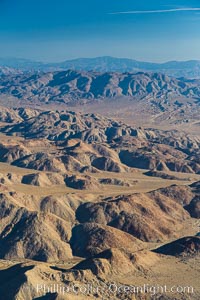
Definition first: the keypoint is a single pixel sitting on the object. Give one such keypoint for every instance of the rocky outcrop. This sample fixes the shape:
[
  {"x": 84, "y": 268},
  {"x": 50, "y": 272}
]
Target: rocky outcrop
[
  {"x": 31, "y": 234},
  {"x": 82, "y": 183},
  {"x": 139, "y": 215},
  {"x": 43, "y": 179},
  {"x": 186, "y": 246},
  {"x": 89, "y": 239}
]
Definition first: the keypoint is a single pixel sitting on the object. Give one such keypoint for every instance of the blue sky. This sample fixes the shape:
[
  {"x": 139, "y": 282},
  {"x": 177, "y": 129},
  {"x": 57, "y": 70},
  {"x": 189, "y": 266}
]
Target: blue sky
[{"x": 50, "y": 30}]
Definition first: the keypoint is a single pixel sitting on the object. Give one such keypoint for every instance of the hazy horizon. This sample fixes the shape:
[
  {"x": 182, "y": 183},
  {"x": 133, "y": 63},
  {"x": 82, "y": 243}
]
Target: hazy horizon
[{"x": 92, "y": 57}]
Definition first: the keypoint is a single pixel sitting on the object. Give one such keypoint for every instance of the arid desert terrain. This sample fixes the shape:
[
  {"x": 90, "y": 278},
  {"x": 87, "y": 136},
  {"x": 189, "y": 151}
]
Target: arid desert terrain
[{"x": 100, "y": 199}]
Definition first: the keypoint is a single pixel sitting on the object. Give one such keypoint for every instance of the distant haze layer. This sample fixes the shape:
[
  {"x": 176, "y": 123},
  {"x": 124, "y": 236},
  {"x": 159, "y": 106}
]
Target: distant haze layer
[{"x": 188, "y": 69}]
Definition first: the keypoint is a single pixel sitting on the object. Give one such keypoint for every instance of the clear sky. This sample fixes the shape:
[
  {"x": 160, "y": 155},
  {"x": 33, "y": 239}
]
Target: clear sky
[{"x": 56, "y": 30}]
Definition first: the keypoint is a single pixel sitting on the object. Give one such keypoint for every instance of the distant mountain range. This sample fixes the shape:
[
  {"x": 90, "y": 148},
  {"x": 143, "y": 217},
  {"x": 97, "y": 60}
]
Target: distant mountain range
[
  {"x": 74, "y": 86},
  {"x": 188, "y": 69},
  {"x": 146, "y": 92}
]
